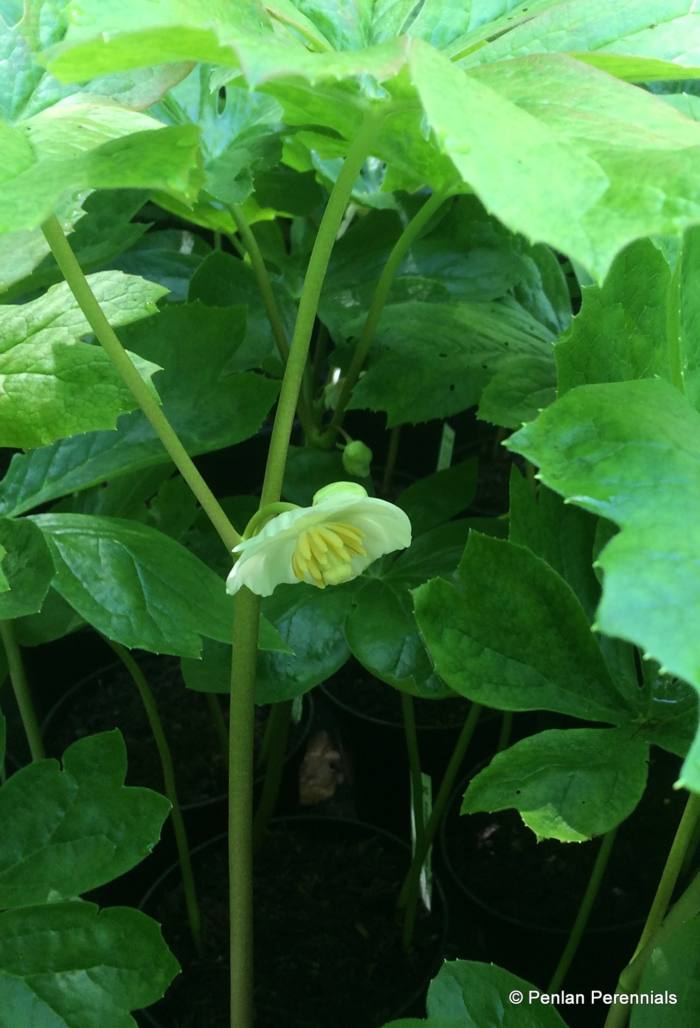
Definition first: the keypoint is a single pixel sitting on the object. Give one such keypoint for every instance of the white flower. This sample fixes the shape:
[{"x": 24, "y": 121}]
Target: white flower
[{"x": 332, "y": 541}]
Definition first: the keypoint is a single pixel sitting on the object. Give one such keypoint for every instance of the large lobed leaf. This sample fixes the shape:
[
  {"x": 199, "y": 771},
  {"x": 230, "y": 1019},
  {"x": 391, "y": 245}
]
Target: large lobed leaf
[
  {"x": 75, "y": 828},
  {"x": 69, "y": 965},
  {"x": 493, "y": 127},
  {"x": 630, "y": 452}
]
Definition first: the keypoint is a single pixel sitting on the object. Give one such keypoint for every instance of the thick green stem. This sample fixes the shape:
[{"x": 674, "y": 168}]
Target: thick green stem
[
  {"x": 409, "y": 728},
  {"x": 264, "y": 284},
  {"x": 168, "y": 770},
  {"x": 618, "y": 1013},
  {"x": 584, "y": 911},
  {"x": 240, "y": 810},
  {"x": 408, "y": 897},
  {"x": 20, "y": 686},
  {"x": 80, "y": 287},
  {"x": 308, "y": 306},
  {"x": 392, "y": 454},
  {"x": 247, "y": 607},
  {"x": 381, "y": 294},
  {"x": 279, "y": 720}
]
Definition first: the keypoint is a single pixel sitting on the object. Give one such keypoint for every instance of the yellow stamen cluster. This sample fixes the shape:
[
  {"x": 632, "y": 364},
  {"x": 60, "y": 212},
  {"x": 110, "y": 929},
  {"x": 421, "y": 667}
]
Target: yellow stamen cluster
[{"x": 324, "y": 553}]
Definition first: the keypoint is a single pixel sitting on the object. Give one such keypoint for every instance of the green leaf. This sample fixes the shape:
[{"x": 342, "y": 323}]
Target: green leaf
[
  {"x": 55, "y": 620},
  {"x": 512, "y": 635},
  {"x": 102, "y": 230},
  {"x": 91, "y": 143},
  {"x": 560, "y": 534},
  {"x": 520, "y": 388},
  {"x": 630, "y": 452},
  {"x": 239, "y": 135},
  {"x": 310, "y": 622},
  {"x": 170, "y": 257},
  {"x": 440, "y": 496},
  {"x": 136, "y": 585},
  {"x": 442, "y": 364},
  {"x": 68, "y": 965},
  {"x": 620, "y": 333},
  {"x": 381, "y": 628},
  {"x": 77, "y": 828},
  {"x": 663, "y": 36},
  {"x": 223, "y": 280},
  {"x": 673, "y": 967},
  {"x": 569, "y": 785},
  {"x": 494, "y": 127},
  {"x": 467, "y": 994},
  {"x": 207, "y": 406},
  {"x": 25, "y": 86},
  {"x": 53, "y": 386},
  {"x": 27, "y": 568}
]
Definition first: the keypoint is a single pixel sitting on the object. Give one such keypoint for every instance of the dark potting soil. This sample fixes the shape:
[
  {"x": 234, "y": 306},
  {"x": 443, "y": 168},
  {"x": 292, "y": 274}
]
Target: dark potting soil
[
  {"x": 504, "y": 868},
  {"x": 327, "y": 943},
  {"x": 354, "y": 688},
  {"x": 109, "y": 699}
]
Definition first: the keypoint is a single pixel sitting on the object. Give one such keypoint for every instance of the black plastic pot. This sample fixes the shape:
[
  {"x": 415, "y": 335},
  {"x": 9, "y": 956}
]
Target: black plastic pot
[
  {"x": 513, "y": 900},
  {"x": 378, "y": 747},
  {"x": 308, "y": 876},
  {"x": 205, "y": 809}
]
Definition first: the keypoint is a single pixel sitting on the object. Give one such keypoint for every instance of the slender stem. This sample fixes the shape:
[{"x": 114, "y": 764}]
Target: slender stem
[
  {"x": 673, "y": 327},
  {"x": 167, "y": 767},
  {"x": 381, "y": 294},
  {"x": 409, "y": 727},
  {"x": 80, "y": 287},
  {"x": 308, "y": 306},
  {"x": 617, "y": 1015},
  {"x": 20, "y": 686},
  {"x": 584, "y": 911},
  {"x": 408, "y": 898},
  {"x": 685, "y": 908},
  {"x": 218, "y": 721},
  {"x": 506, "y": 730},
  {"x": 264, "y": 284},
  {"x": 392, "y": 454},
  {"x": 240, "y": 809},
  {"x": 279, "y": 720}
]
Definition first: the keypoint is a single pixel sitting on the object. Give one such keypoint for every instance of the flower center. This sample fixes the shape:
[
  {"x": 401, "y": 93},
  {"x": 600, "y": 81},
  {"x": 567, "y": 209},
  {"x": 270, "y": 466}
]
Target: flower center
[{"x": 323, "y": 554}]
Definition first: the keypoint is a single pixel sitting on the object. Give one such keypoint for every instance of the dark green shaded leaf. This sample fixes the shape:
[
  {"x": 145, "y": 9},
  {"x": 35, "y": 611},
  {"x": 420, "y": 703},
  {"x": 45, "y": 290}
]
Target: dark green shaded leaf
[
  {"x": 77, "y": 828},
  {"x": 26, "y": 567},
  {"x": 69, "y": 965},
  {"x": 513, "y": 635},
  {"x": 569, "y": 785}
]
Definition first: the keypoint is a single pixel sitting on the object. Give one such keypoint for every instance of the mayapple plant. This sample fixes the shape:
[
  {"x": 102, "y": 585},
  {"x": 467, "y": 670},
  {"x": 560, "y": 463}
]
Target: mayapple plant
[{"x": 213, "y": 214}]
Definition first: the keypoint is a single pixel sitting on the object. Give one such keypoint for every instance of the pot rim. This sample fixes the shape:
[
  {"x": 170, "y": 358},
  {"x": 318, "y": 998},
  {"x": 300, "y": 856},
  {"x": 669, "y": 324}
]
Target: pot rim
[
  {"x": 440, "y": 907},
  {"x": 393, "y": 725}
]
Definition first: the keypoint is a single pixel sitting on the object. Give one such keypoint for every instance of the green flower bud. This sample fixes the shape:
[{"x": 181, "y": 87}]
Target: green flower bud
[{"x": 357, "y": 459}]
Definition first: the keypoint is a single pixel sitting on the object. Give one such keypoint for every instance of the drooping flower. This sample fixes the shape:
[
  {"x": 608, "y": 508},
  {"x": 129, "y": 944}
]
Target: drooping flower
[{"x": 330, "y": 542}]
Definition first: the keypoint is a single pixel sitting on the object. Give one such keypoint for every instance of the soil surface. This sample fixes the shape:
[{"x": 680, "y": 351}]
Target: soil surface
[{"x": 327, "y": 945}]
